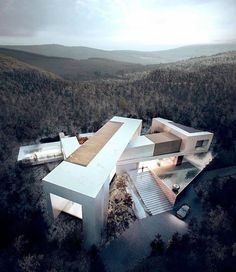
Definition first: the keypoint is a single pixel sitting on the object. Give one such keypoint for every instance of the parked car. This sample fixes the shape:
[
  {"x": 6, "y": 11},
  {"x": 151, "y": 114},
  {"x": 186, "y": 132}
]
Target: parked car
[
  {"x": 175, "y": 188},
  {"x": 183, "y": 211}
]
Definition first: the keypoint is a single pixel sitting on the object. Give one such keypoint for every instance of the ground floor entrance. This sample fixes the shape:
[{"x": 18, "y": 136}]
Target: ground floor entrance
[{"x": 60, "y": 204}]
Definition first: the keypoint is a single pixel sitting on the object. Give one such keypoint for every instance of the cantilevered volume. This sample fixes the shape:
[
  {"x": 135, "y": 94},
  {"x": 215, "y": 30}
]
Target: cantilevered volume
[{"x": 79, "y": 185}]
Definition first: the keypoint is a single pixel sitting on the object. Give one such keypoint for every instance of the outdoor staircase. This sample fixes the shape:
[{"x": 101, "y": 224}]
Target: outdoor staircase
[{"x": 152, "y": 196}]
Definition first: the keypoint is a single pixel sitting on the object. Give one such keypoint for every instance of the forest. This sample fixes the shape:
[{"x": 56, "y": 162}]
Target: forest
[{"x": 199, "y": 92}]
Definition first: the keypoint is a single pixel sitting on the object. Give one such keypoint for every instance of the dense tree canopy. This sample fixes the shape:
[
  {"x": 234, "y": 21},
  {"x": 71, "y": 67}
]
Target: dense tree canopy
[{"x": 199, "y": 92}]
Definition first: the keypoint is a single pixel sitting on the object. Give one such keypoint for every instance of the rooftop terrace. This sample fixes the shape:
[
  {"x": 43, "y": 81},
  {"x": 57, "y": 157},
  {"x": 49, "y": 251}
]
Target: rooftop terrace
[
  {"x": 85, "y": 154},
  {"x": 89, "y": 180}
]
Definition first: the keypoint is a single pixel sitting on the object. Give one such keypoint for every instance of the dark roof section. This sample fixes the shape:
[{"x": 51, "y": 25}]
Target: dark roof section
[
  {"x": 165, "y": 143},
  {"x": 162, "y": 137},
  {"x": 185, "y": 128}
]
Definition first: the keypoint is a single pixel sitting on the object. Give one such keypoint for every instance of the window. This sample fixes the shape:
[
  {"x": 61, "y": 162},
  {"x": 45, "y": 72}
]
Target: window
[{"x": 201, "y": 143}]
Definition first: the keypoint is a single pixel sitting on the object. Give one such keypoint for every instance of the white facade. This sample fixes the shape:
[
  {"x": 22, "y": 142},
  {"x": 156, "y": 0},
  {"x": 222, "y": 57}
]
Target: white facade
[
  {"x": 189, "y": 139},
  {"x": 69, "y": 145},
  {"x": 89, "y": 185},
  {"x": 83, "y": 190}
]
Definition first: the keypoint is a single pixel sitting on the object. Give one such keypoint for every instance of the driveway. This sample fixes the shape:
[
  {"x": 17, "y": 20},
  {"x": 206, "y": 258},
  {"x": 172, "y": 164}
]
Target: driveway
[
  {"x": 190, "y": 197},
  {"x": 134, "y": 244}
]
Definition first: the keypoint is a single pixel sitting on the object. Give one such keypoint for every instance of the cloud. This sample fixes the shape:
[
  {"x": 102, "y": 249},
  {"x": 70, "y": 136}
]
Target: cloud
[
  {"x": 27, "y": 17},
  {"x": 109, "y": 23},
  {"x": 21, "y": 17}
]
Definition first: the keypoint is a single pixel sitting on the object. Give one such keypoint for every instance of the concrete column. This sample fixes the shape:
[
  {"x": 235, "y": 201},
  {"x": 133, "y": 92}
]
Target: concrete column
[
  {"x": 104, "y": 197},
  {"x": 95, "y": 217},
  {"x": 92, "y": 226},
  {"x": 49, "y": 206}
]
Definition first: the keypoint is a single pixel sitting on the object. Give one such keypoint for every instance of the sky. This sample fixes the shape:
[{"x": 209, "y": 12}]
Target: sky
[{"x": 118, "y": 24}]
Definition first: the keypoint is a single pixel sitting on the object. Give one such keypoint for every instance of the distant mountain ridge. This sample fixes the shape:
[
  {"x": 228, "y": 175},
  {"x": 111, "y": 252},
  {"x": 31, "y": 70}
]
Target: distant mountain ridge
[
  {"x": 131, "y": 56},
  {"x": 201, "y": 92},
  {"x": 72, "y": 69},
  {"x": 99, "y": 68}
]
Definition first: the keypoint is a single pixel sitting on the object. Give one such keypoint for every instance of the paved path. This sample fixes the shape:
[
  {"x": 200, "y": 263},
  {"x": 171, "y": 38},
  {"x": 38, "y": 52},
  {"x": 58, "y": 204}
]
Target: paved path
[
  {"x": 134, "y": 244},
  {"x": 189, "y": 196}
]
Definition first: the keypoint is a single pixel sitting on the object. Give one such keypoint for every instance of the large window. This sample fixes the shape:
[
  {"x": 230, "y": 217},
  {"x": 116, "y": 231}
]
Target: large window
[{"x": 201, "y": 143}]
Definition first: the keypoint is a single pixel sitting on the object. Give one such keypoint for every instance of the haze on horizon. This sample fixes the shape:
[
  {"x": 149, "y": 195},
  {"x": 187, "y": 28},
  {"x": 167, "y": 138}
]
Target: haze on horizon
[{"x": 118, "y": 24}]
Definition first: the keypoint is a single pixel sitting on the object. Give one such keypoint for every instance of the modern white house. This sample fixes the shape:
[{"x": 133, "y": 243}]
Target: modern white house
[{"x": 161, "y": 164}]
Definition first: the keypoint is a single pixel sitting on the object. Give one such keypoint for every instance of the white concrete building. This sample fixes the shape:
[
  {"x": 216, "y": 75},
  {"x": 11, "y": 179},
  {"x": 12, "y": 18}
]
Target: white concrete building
[{"x": 167, "y": 156}]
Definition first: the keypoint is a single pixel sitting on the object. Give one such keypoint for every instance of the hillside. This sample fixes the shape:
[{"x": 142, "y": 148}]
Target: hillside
[
  {"x": 9, "y": 64},
  {"x": 132, "y": 56},
  {"x": 193, "y": 63},
  {"x": 198, "y": 92},
  {"x": 34, "y": 103},
  {"x": 93, "y": 68}
]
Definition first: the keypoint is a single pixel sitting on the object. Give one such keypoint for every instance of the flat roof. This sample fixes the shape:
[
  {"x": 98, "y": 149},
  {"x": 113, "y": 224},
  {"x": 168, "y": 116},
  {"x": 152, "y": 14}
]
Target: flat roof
[
  {"x": 187, "y": 131},
  {"x": 165, "y": 143},
  {"x": 162, "y": 137},
  {"x": 140, "y": 141},
  {"x": 89, "y": 180},
  {"x": 186, "y": 128},
  {"x": 85, "y": 154},
  {"x": 69, "y": 145}
]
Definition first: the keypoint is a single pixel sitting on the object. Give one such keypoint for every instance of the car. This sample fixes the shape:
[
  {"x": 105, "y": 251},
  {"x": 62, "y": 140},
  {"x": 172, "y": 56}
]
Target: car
[
  {"x": 175, "y": 188},
  {"x": 183, "y": 211}
]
